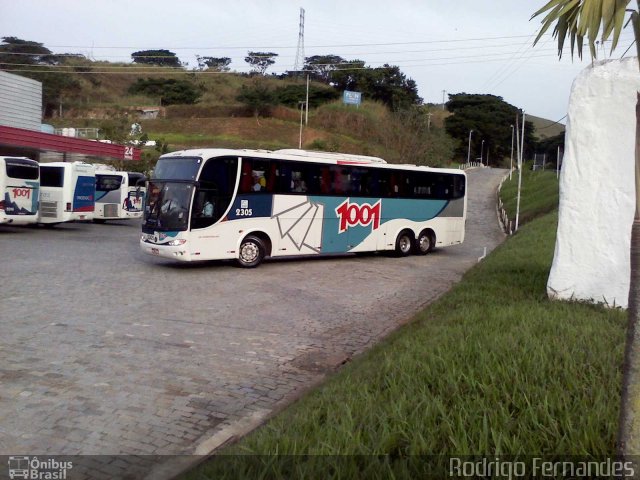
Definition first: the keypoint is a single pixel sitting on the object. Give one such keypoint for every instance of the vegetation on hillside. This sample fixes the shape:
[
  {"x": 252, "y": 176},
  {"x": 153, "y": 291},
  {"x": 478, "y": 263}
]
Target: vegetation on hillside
[
  {"x": 489, "y": 122},
  {"x": 391, "y": 123}
]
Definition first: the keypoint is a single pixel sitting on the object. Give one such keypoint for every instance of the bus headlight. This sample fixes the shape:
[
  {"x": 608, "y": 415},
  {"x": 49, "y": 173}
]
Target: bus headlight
[{"x": 176, "y": 243}]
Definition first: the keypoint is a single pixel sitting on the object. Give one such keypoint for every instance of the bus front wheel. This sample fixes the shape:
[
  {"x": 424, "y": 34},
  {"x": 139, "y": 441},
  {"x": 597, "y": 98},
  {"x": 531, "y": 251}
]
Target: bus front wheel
[
  {"x": 404, "y": 243},
  {"x": 252, "y": 251}
]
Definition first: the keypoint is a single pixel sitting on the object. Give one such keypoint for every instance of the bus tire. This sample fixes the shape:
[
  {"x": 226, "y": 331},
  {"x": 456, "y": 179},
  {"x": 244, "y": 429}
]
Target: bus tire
[
  {"x": 252, "y": 251},
  {"x": 404, "y": 243},
  {"x": 99, "y": 220},
  {"x": 425, "y": 242}
]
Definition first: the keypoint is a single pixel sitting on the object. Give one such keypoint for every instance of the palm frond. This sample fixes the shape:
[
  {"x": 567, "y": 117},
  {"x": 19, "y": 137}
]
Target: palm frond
[{"x": 575, "y": 20}]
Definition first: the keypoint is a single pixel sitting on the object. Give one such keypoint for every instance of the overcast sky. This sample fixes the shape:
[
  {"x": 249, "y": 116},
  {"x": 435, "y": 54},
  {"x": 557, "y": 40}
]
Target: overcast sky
[{"x": 452, "y": 45}]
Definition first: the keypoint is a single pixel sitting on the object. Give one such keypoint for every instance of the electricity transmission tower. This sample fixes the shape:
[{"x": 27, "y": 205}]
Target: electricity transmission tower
[{"x": 299, "y": 63}]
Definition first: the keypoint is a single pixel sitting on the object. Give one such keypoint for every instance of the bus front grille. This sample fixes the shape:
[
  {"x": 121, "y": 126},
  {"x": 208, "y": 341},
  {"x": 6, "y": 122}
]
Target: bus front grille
[
  {"x": 111, "y": 210},
  {"x": 48, "y": 209}
]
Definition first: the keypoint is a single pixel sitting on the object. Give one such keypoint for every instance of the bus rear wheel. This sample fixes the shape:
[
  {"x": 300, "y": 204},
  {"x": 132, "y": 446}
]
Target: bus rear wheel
[
  {"x": 252, "y": 251},
  {"x": 424, "y": 243},
  {"x": 404, "y": 243}
]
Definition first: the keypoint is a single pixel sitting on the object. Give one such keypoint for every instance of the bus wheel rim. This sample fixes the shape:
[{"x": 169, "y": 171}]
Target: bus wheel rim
[
  {"x": 405, "y": 243},
  {"x": 424, "y": 243},
  {"x": 249, "y": 252}
]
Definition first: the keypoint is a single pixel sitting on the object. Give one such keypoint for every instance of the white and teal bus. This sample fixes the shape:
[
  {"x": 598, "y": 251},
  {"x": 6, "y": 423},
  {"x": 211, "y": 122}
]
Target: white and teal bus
[
  {"x": 19, "y": 187},
  {"x": 119, "y": 195},
  {"x": 248, "y": 205},
  {"x": 67, "y": 192}
]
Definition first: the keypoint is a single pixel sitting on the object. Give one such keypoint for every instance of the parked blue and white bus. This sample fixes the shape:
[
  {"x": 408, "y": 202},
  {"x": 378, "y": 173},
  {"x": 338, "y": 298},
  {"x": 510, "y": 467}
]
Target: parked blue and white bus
[
  {"x": 248, "y": 205},
  {"x": 19, "y": 187},
  {"x": 119, "y": 195},
  {"x": 67, "y": 192}
]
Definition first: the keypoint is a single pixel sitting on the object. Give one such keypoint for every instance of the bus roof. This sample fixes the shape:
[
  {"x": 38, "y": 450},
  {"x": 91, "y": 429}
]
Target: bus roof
[
  {"x": 306, "y": 156},
  {"x": 17, "y": 158},
  {"x": 66, "y": 164}
]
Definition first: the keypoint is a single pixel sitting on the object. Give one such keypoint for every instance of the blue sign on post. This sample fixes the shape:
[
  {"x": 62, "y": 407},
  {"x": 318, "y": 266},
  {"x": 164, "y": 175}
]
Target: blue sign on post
[{"x": 351, "y": 98}]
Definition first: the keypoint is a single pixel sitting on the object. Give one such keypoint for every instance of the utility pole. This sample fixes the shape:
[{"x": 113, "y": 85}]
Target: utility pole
[
  {"x": 301, "y": 117},
  {"x": 511, "y": 169},
  {"x": 429, "y": 121},
  {"x": 469, "y": 148},
  {"x": 306, "y": 104},
  {"x": 520, "y": 156},
  {"x": 443, "y": 92}
]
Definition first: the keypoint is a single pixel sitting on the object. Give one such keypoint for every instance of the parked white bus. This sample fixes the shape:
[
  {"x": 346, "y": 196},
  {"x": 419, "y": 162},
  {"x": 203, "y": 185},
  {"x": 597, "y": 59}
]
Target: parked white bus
[
  {"x": 119, "y": 195},
  {"x": 19, "y": 187},
  {"x": 67, "y": 192},
  {"x": 247, "y": 205}
]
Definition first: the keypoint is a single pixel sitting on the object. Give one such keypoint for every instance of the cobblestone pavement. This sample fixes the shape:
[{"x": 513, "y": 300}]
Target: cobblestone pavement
[{"x": 106, "y": 351}]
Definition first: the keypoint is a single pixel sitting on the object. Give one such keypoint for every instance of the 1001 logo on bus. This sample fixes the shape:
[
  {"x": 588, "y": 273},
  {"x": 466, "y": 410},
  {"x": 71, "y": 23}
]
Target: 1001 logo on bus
[
  {"x": 21, "y": 192},
  {"x": 352, "y": 215}
]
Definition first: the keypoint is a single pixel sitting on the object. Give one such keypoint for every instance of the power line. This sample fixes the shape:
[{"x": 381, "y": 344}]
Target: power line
[
  {"x": 625, "y": 52},
  {"x": 130, "y": 70},
  {"x": 337, "y": 66},
  {"x": 552, "y": 124},
  {"x": 423, "y": 42}
]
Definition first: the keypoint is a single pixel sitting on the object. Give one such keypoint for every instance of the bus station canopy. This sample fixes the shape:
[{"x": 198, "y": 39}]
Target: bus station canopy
[{"x": 50, "y": 147}]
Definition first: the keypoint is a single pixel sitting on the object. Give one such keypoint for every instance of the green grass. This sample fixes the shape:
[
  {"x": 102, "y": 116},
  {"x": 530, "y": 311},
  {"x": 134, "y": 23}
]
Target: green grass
[
  {"x": 491, "y": 368},
  {"x": 539, "y": 194}
]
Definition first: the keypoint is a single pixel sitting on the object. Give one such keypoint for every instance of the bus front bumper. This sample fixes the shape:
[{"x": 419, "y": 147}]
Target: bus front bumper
[{"x": 179, "y": 252}]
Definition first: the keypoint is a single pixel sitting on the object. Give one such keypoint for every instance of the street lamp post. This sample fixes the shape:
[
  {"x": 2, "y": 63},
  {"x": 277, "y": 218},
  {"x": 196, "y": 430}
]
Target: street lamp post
[
  {"x": 302, "y": 107},
  {"x": 469, "y": 148},
  {"x": 511, "y": 169}
]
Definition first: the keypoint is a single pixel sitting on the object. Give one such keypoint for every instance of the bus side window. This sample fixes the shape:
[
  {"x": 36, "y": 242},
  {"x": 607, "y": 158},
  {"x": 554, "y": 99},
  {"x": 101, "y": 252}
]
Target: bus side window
[
  {"x": 314, "y": 179},
  {"x": 298, "y": 181},
  {"x": 245, "y": 180},
  {"x": 340, "y": 180},
  {"x": 393, "y": 185},
  {"x": 325, "y": 180},
  {"x": 272, "y": 177}
]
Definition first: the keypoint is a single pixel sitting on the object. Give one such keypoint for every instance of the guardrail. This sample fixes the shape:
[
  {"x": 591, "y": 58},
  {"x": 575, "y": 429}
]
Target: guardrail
[
  {"x": 506, "y": 224},
  {"x": 465, "y": 166}
]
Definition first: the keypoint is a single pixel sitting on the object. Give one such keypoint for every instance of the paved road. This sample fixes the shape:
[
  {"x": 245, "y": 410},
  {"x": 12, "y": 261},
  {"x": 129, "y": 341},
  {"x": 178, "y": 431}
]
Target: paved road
[{"x": 106, "y": 351}]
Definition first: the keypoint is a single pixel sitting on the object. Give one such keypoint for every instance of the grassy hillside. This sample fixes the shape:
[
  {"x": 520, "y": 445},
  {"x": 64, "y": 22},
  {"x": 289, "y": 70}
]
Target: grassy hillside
[
  {"x": 546, "y": 128},
  {"x": 219, "y": 119}
]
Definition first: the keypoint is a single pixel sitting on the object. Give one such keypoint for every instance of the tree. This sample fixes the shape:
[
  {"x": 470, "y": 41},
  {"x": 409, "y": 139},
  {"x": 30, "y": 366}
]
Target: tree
[
  {"x": 258, "y": 97},
  {"x": 578, "y": 20},
  {"x": 386, "y": 84},
  {"x": 162, "y": 58},
  {"x": 215, "y": 64},
  {"x": 291, "y": 95},
  {"x": 321, "y": 66},
  {"x": 260, "y": 61},
  {"x": 15, "y": 53},
  {"x": 490, "y": 118},
  {"x": 169, "y": 90}
]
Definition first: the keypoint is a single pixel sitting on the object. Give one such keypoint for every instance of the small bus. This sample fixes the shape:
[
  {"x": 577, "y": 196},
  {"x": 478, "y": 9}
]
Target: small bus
[
  {"x": 19, "y": 186},
  {"x": 119, "y": 195},
  {"x": 67, "y": 192},
  {"x": 246, "y": 205}
]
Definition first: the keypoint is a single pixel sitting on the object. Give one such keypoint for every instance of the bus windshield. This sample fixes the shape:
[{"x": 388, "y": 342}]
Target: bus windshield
[
  {"x": 177, "y": 168},
  {"x": 167, "y": 207}
]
